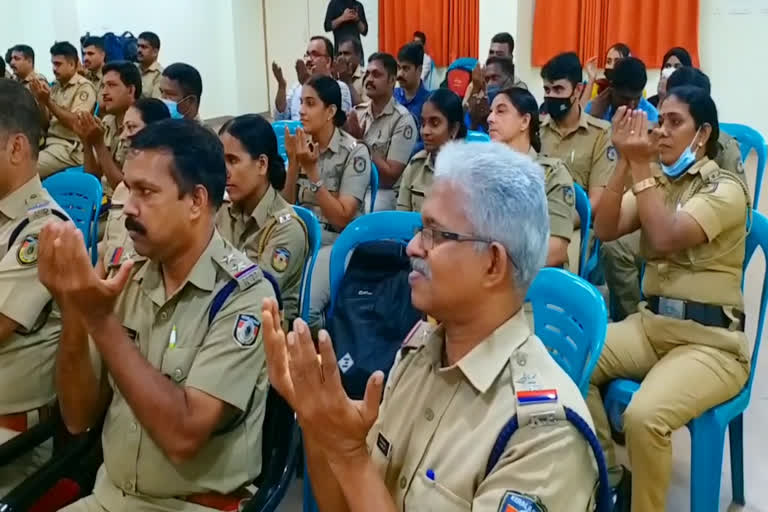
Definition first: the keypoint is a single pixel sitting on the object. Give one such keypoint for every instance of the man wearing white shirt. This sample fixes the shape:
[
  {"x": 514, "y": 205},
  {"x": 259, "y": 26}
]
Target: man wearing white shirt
[{"x": 317, "y": 61}]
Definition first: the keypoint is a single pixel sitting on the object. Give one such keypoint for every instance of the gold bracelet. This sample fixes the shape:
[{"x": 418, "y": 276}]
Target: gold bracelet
[{"x": 643, "y": 185}]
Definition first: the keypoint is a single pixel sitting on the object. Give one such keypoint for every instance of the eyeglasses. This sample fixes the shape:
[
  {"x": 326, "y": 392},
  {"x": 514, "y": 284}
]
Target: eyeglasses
[
  {"x": 432, "y": 237},
  {"x": 314, "y": 55}
]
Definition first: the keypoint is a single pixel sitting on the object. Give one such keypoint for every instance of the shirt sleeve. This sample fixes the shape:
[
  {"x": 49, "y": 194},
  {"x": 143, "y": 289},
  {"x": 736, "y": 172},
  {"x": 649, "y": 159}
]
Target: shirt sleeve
[
  {"x": 286, "y": 115},
  {"x": 729, "y": 157},
  {"x": 330, "y": 15},
  {"x": 547, "y": 468},
  {"x": 346, "y": 98},
  {"x": 718, "y": 207},
  {"x": 85, "y": 98},
  {"x": 223, "y": 367},
  {"x": 357, "y": 173},
  {"x": 284, "y": 254},
  {"x": 403, "y": 140},
  {"x": 404, "y": 193},
  {"x": 603, "y": 161},
  {"x": 426, "y": 66},
  {"x": 361, "y": 14},
  {"x": 561, "y": 200}
]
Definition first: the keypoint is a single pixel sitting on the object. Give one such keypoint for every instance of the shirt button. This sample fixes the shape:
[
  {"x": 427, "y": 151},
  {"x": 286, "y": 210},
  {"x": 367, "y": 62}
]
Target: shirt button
[
  {"x": 163, "y": 315},
  {"x": 134, "y": 427},
  {"x": 178, "y": 373},
  {"x": 131, "y": 485},
  {"x": 403, "y": 482},
  {"x": 429, "y": 414}
]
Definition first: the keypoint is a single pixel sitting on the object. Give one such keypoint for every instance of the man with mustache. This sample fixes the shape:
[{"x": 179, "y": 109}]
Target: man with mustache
[
  {"x": 151, "y": 70},
  {"x": 22, "y": 63},
  {"x": 177, "y": 331},
  {"x": 441, "y": 439},
  {"x": 317, "y": 61},
  {"x": 93, "y": 60},
  {"x": 387, "y": 127},
  {"x": 72, "y": 93}
]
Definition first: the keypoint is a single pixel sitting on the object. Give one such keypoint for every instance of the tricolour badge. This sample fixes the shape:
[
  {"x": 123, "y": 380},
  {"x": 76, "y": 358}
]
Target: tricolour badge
[
  {"x": 611, "y": 153},
  {"x": 359, "y": 164},
  {"x": 246, "y": 330},
  {"x": 27, "y": 254},
  {"x": 280, "y": 258},
  {"x": 539, "y": 396},
  {"x": 568, "y": 195},
  {"x": 518, "y": 502}
]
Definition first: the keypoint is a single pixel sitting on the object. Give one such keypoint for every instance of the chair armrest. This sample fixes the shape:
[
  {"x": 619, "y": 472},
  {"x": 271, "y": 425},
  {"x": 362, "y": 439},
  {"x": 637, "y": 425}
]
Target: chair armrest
[{"x": 26, "y": 441}]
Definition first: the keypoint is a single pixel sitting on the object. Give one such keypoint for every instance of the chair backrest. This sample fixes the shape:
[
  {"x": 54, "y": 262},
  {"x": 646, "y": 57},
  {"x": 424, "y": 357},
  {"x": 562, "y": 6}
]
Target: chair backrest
[
  {"x": 584, "y": 209},
  {"x": 79, "y": 195},
  {"x": 570, "y": 319},
  {"x": 459, "y": 75},
  {"x": 476, "y": 136},
  {"x": 750, "y": 139},
  {"x": 388, "y": 225},
  {"x": 279, "y": 127},
  {"x": 315, "y": 233},
  {"x": 758, "y": 237},
  {"x": 465, "y": 63},
  {"x": 374, "y": 183}
]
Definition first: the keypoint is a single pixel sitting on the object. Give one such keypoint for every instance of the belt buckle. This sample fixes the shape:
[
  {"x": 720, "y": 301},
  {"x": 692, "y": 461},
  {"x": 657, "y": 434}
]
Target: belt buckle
[{"x": 672, "y": 308}]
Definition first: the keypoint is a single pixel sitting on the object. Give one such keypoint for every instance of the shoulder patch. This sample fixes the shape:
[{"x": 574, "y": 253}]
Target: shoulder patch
[
  {"x": 38, "y": 210},
  {"x": 27, "y": 254},
  {"x": 283, "y": 216},
  {"x": 513, "y": 501},
  {"x": 246, "y": 330},
  {"x": 83, "y": 95},
  {"x": 611, "y": 154},
  {"x": 359, "y": 164},
  {"x": 568, "y": 195},
  {"x": 280, "y": 258},
  {"x": 408, "y": 132}
]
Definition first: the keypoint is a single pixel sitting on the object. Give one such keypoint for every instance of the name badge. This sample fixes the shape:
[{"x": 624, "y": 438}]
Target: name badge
[{"x": 383, "y": 444}]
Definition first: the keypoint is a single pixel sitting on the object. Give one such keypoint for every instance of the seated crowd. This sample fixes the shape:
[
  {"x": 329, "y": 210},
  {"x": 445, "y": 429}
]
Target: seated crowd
[{"x": 174, "y": 337}]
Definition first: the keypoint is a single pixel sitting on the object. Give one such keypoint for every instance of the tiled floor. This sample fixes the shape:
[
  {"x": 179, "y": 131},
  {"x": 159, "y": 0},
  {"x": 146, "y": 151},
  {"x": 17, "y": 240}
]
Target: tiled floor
[{"x": 756, "y": 419}]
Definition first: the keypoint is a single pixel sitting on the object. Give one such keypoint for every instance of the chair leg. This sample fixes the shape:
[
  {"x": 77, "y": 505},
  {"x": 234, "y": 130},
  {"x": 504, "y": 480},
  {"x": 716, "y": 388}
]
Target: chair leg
[
  {"x": 736, "y": 438},
  {"x": 707, "y": 443}
]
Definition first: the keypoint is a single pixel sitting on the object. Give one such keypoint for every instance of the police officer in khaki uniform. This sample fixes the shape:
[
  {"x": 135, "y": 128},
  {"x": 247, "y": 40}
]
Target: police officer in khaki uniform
[
  {"x": 151, "y": 70},
  {"x": 94, "y": 58},
  {"x": 23, "y": 65},
  {"x": 328, "y": 174},
  {"x": 72, "y": 93},
  {"x": 693, "y": 219},
  {"x": 387, "y": 127},
  {"x": 348, "y": 67},
  {"x": 514, "y": 121},
  {"x": 417, "y": 182},
  {"x": 257, "y": 219},
  {"x": 30, "y": 325},
  {"x": 178, "y": 333},
  {"x": 481, "y": 362}
]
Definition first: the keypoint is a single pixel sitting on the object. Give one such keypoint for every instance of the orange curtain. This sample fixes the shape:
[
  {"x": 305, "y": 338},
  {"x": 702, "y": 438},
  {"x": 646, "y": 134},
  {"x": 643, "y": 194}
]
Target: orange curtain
[
  {"x": 451, "y": 26},
  {"x": 590, "y": 27}
]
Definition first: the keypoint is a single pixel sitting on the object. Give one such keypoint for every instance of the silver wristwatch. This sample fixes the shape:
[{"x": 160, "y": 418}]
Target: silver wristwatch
[{"x": 314, "y": 186}]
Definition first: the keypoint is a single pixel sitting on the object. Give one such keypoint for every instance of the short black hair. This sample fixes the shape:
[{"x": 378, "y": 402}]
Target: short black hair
[
  {"x": 630, "y": 75},
  {"x": 19, "y": 113},
  {"x": 258, "y": 138},
  {"x": 622, "y": 50},
  {"x": 188, "y": 77},
  {"x": 504, "y": 38},
  {"x": 412, "y": 53},
  {"x": 506, "y": 65},
  {"x": 25, "y": 50},
  {"x": 152, "y": 110},
  {"x": 565, "y": 65},
  {"x": 357, "y": 46},
  {"x": 151, "y": 38},
  {"x": 129, "y": 74},
  {"x": 64, "y": 49},
  {"x": 328, "y": 44},
  {"x": 421, "y": 35},
  {"x": 96, "y": 41},
  {"x": 682, "y": 55},
  {"x": 689, "y": 76},
  {"x": 197, "y": 153},
  {"x": 703, "y": 110},
  {"x": 387, "y": 60}
]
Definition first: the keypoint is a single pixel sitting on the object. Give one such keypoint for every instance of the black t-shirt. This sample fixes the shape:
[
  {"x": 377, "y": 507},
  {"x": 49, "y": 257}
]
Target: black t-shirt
[{"x": 345, "y": 30}]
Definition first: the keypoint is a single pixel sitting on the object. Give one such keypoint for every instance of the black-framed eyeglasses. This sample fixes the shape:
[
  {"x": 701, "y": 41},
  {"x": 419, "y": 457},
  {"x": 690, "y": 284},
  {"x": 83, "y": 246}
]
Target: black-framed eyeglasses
[{"x": 431, "y": 237}]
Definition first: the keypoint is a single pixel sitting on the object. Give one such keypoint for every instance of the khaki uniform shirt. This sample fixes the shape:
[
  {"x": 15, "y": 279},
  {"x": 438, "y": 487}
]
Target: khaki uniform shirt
[
  {"x": 359, "y": 84},
  {"x": 117, "y": 245},
  {"x": 33, "y": 76},
  {"x": 78, "y": 95},
  {"x": 416, "y": 182},
  {"x": 729, "y": 155},
  {"x": 224, "y": 359},
  {"x": 115, "y": 145},
  {"x": 345, "y": 170},
  {"x": 432, "y": 453},
  {"x": 27, "y": 357},
  {"x": 586, "y": 150},
  {"x": 711, "y": 272},
  {"x": 392, "y": 134},
  {"x": 561, "y": 198},
  {"x": 272, "y": 236},
  {"x": 96, "y": 78},
  {"x": 150, "y": 80}
]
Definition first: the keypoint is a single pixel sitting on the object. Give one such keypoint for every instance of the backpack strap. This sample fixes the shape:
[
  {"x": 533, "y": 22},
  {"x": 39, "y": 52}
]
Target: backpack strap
[{"x": 538, "y": 406}]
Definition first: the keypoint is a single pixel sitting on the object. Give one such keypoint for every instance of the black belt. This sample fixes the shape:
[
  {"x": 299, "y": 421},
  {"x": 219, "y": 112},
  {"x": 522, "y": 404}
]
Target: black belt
[
  {"x": 330, "y": 227},
  {"x": 705, "y": 314}
]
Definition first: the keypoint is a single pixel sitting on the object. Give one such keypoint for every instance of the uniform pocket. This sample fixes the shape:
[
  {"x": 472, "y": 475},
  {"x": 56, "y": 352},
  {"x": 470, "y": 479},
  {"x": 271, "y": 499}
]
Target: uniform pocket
[
  {"x": 429, "y": 496},
  {"x": 177, "y": 362}
]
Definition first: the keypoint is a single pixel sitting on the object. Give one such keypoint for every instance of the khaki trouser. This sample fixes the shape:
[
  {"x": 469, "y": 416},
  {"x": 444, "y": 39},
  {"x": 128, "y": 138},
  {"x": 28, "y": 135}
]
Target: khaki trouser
[
  {"x": 57, "y": 155},
  {"x": 621, "y": 266},
  {"x": 13, "y": 474},
  {"x": 320, "y": 292},
  {"x": 681, "y": 379}
]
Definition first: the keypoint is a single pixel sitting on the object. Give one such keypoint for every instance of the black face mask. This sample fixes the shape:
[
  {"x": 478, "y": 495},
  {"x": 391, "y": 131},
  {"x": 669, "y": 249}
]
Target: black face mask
[
  {"x": 610, "y": 74},
  {"x": 557, "y": 108}
]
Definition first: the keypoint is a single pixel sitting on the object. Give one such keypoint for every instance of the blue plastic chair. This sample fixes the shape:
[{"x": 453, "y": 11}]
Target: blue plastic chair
[
  {"x": 750, "y": 139},
  {"x": 708, "y": 430},
  {"x": 466, "y": 63},
  {"x": 584, "y": 210},
  {"x": 315, "y": 234},
  {"x": 79, "y": 194},
  {"x": 279, "y": 127},
  {"x": 476, "y": 136},
  {"x": 569, "y": 317},
  {"x": 389, "y": 225},
  {"x": 374, "y": 184}
]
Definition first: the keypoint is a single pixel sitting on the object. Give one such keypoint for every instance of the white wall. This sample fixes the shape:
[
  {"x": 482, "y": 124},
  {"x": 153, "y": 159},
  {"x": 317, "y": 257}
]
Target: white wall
[{"x": 497, "y": 16}]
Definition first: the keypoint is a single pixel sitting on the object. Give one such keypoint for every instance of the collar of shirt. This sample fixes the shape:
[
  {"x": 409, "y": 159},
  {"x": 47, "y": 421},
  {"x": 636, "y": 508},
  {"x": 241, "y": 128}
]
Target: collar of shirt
[
  {"x": 154, "y": 67},
  {"x": 388, "y": 109},
  {"x": 582, "y": 123},
  {"x": 75, "y": 80},
  {"x": 335, "y": 143},
  {"x": 261, "y": 213},
  {"x": 96, "y": 75},
  {"x": 202, "y": 275},
  {"x": 15, "y": 204},
  {"x": 420, "y": 95},
  {"x": 359, "y": 72},
  {"x": 699, "y": 166},
  {"x": 484, "y": 363}
]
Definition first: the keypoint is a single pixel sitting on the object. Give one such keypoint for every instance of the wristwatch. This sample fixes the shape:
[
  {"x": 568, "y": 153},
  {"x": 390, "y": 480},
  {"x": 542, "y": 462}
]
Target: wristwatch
[
  {"x": 643, "y": 185},
  {"x": 314, "y": 186}
]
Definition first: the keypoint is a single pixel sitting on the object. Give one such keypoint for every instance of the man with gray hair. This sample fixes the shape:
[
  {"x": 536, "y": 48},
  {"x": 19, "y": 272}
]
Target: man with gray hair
[{"x": 474, "y": 410}]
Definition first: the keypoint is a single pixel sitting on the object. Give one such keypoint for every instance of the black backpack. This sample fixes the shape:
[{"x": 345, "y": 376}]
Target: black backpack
[
  {"x": 123, "y": 47},
  {"x": 372, "y": 313}
]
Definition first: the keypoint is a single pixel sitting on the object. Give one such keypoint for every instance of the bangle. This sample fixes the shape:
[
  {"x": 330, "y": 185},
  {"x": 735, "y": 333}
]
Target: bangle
[{"x": 644, "y": 185}]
